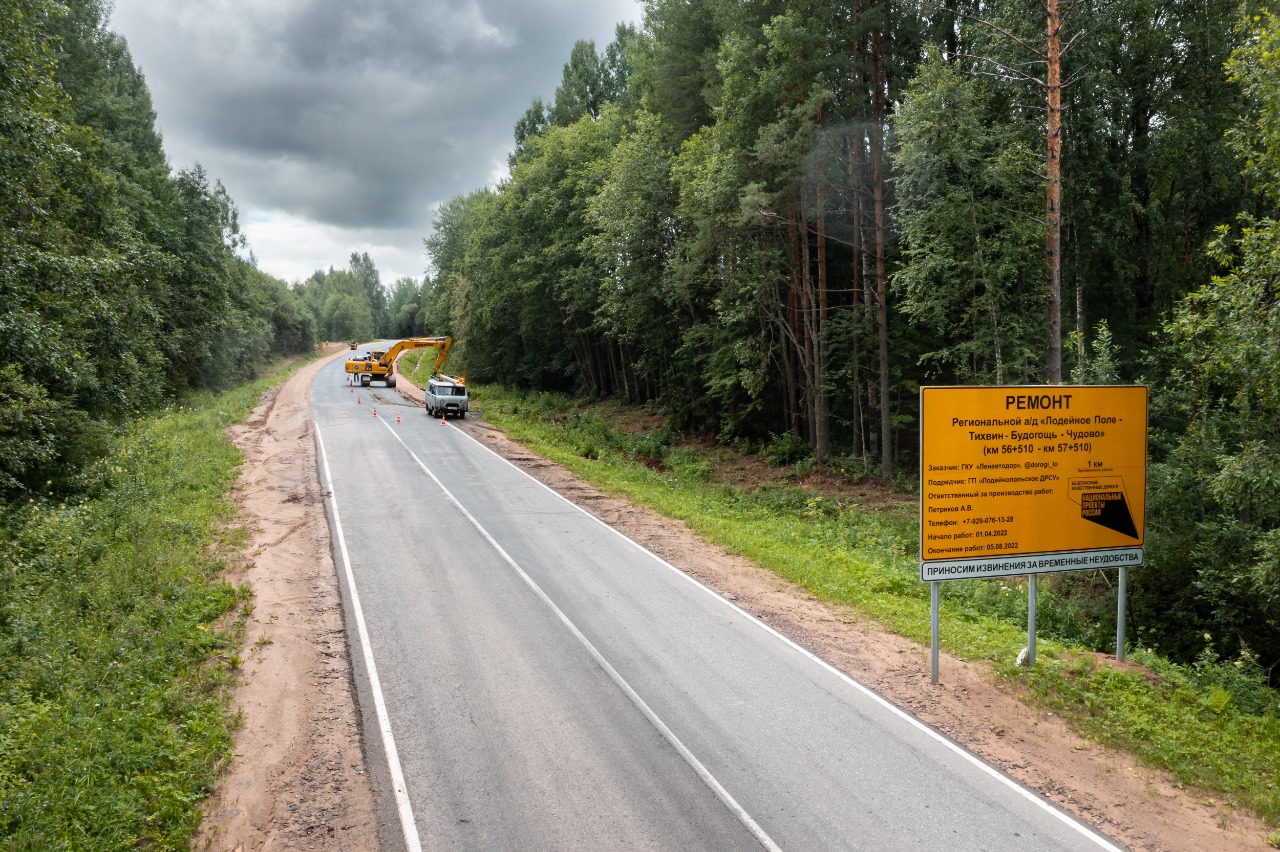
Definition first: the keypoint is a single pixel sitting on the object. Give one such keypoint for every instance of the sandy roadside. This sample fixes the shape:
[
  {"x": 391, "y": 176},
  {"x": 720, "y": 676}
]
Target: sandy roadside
[{"x": 298, "y": 779}]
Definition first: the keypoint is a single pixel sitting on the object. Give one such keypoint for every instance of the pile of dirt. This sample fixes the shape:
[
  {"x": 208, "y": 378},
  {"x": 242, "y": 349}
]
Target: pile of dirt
[{"x": 298, "y": 780}]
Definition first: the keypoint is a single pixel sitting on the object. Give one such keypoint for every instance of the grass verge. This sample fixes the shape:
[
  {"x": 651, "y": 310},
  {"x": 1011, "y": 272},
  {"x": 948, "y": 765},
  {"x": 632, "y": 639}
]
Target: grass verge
[
  {"x": 1214, "y": 725},
  {"x": 119, "y": 639},
  {"x": 417, "y": 364}
]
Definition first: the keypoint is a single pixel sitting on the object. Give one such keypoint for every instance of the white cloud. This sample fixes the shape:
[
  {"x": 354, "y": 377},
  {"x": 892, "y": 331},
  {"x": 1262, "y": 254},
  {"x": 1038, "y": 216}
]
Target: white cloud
[
  {"x": 352, "y": 118},
  {"x": 291, "y": 247}
]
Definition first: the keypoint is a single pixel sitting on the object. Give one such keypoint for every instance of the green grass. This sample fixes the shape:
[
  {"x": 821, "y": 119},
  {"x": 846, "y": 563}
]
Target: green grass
[
  {"x": 1214, "y": 725},
  {"x": 119, "y": 640},
  {"x": 417, "y": 364}
]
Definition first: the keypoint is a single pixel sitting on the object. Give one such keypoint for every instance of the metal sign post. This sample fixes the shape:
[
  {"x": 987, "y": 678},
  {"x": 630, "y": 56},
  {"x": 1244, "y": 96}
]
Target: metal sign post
[
  {"x": 1031, "y": 621},
  {"x": 935, "y": 592},
  {"x": 1121, "y": 594}
]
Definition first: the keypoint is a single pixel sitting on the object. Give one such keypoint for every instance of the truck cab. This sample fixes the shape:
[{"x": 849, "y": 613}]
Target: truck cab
[{"x": 446, "y": 395}]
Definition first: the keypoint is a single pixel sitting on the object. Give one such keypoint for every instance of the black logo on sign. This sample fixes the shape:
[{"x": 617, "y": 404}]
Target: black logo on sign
[{"x": 1108, "y": 509}]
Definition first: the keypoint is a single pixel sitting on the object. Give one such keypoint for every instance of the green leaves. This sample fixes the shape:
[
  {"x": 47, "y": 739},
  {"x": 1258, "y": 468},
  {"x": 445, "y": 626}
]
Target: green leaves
[
  {"x": 119, "y": 283},
  {"x": 1220, "y": 499},
  {"x": 1255, "y": 66},
  {"x": 970, "y": 209}
]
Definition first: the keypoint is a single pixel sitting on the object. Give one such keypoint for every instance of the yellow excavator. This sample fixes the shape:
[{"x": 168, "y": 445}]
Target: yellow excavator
[{"x": 377, "y": 363}]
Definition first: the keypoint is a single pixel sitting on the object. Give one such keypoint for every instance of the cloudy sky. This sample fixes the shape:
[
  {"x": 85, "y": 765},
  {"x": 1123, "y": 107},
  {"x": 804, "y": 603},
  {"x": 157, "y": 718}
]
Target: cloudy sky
[{"x": 340, "y": 125}]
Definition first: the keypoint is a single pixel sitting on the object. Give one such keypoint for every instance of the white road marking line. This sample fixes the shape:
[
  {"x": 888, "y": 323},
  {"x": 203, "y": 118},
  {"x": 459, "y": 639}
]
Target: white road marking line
[
  {"x": 705, "y": 774},
  {"x": 955, "y": 747},
  {"x": 407, "y": 824}
]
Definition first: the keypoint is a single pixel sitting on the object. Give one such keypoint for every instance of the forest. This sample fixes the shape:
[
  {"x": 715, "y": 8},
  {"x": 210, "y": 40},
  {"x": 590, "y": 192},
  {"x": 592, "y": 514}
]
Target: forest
[
  {"x": 764, "y": 220},
  {"x": 121, "y": 281},
  {"x": 779, "y": 220},
  {"x": 126, "y": 283}
]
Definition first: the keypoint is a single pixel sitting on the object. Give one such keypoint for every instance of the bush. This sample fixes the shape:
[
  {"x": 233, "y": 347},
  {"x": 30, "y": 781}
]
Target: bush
[
  {"x": 690, "y": 464},
  {"x": 785, "y": 449}
]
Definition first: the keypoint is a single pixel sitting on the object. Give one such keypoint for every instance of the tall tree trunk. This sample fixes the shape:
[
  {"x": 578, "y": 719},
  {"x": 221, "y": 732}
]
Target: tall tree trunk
[
  {"x": 822, "y": 399},
  {"x": 586, "y": 362},
  {"x": 859, "y": 260},
  {"x": 808, "y": 355},
  {"x": 882, "y": 289},
  {"x": 872, "y": 448},
  {"x": 1075, "y": 277},
  {"x": 793, "y": 338},
  {"x": 1053, "y": 196},
  {"x": 855, "y": 194}
]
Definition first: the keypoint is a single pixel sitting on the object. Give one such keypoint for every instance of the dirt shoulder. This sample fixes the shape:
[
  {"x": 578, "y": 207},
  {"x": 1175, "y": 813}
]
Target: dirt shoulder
[{"x": 298, "y": 780}]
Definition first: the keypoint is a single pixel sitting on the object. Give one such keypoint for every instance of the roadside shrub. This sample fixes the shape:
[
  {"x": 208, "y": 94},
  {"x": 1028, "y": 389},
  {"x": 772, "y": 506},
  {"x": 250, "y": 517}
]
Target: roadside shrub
[
  {"x": 785, "y": 449},
  {"x": 690, "y": 464},
  {"x": 652, "y": 447}
]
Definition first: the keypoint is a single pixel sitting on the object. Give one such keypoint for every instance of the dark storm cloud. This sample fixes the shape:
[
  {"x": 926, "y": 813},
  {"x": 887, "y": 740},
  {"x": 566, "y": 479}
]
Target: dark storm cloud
[{"x": 357, "y": 114}]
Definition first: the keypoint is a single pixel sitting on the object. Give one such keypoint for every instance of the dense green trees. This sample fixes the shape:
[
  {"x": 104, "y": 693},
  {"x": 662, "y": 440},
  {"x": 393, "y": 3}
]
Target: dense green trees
[
  {"x": 788, "y": 216},
  {"x": 1216, "y": 484},
  {"x": 352, "y": 304},
  {"x": 972, "y": 230},
  {"x": 120, "y": 286}
]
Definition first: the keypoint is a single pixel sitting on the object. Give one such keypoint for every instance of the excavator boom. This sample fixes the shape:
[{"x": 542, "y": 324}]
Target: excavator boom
[{"x": 380, "y": 365}]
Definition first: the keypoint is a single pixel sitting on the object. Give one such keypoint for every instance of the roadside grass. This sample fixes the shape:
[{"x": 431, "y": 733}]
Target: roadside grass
[
  {"x": 119, "y": 639},
  {"x": 417, "y": 364},
  {"x": 1214, "y": 725}
]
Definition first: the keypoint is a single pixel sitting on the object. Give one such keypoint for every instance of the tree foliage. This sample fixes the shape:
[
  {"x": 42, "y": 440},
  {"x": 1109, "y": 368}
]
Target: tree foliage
[
  {"x": 120, "y": 283},
  {"x": 782, "y": 218},
  {"x": 1216, "y": 503},
  {"x": 970, "y": 208},
  {"x": 352, "y": 304}
]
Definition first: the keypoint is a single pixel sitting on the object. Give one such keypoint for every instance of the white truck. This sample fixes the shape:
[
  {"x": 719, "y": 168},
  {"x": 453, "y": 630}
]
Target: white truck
[{"x": 446, "y": 395}]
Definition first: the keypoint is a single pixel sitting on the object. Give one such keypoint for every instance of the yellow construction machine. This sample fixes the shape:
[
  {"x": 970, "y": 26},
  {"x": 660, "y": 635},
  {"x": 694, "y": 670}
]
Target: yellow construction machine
[{"x": 377, "y": 364}]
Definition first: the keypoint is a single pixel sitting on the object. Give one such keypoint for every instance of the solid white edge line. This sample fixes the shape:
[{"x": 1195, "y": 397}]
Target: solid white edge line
[
  {"x": 953, "y": 746},
  {"x": 407, "y": 824},
  {"x": 705, "y": 774}
]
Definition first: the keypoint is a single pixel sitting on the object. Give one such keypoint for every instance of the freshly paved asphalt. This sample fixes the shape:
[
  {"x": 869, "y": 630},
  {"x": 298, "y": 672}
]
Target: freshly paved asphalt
[{"x": 551, "y": 685}]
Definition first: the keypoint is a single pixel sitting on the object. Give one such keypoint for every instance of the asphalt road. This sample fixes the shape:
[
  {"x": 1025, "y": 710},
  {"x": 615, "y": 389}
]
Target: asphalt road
[{"x": 537, "y": 681}]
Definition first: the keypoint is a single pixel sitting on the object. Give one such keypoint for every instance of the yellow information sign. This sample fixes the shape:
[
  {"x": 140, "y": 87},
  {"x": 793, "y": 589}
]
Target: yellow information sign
[{"x": 1028, "y": 479}]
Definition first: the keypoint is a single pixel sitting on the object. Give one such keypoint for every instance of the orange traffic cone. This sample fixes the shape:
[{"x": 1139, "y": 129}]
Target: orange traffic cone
[
  {"x": 357, "y": 399},
  {"x": 397, "y": 417},
  {"x": 375, "y": 411},
  {"x": 442, "y": 423}
]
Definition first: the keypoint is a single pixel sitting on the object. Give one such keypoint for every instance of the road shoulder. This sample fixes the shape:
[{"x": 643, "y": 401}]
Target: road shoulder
[{"x": 298, "y": 779}]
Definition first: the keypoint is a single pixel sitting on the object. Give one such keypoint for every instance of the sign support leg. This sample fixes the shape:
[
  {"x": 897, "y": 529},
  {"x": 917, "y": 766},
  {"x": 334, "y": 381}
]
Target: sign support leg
[
  {"x": 1031, "y": 621},
  {"x": 934, "y": 594},
  {"x": 1122, "y": 592}
]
